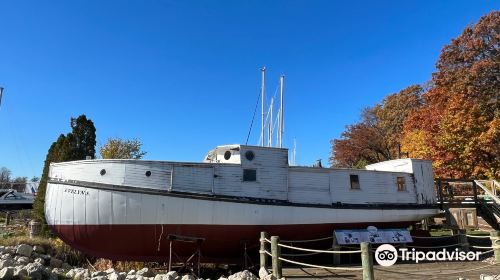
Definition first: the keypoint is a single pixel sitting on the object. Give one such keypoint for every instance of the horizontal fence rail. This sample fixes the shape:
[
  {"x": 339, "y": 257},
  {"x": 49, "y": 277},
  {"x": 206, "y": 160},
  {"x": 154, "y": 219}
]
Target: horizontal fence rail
[{"x": 460, "y": 240}]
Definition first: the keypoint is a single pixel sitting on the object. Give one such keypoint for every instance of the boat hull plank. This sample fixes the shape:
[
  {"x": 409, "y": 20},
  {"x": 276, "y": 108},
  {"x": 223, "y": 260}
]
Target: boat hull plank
[
  {"x": 222, "y": 243},
  {"x": 122, "y": 225}
]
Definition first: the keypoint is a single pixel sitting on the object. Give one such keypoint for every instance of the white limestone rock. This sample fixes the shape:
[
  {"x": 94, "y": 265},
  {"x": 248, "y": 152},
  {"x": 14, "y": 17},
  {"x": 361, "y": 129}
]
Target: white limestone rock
[
  {"x": 40, "y": 261},
  {"x": 263, "y": 273},
  {"x": 59, "y": 271},
  {"x": 173, "y": 274},
  {"x": 7, "y": 273},
  {"x": 188, "y": 277},
  {"x": 38, "y": 249},
  {"x": 6, "y": 263},
  {"x": 23, "y": 260},
  {"x": 116, "y": 276},
  {"x": 20, "y": 272},
  {"x": 243, "y": 275},
  {"x": 270, "y": 277},
  {"x": 71, "y": 273},
  {"x": 35, "y": 271},
  {"x": 145, "y": 272},
  {"x": 66, "y": 266},
  {"x": 79, "y": 275},
  {"x": 97, "y": 273}
]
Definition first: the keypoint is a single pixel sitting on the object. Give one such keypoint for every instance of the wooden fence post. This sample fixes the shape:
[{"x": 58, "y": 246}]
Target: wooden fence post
[
  {"x": 336, "y": 247},
  {"x": 7, "y": 218},
  {"x": 367, "y": 261},
  {"x": 276, "y": 252},
  {"x": 495, "y": 243},
  {"x": 263, "y": 255},
  {"x": 462, "y": 238}
]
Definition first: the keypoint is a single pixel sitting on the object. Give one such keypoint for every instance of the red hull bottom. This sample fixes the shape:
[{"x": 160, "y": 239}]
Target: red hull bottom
[{"x": 222, "y": 242}]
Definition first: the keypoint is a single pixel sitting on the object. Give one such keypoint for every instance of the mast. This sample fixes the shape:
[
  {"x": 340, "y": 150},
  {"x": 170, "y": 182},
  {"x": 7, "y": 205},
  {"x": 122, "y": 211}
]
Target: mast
[
  {"x": 282, "y": 89},
  {"x": 1, "y": 94},
  {"x": 262, "y": 92},
  {"x": 270, "y": 131},
  {"x": 294, "y": 151}
]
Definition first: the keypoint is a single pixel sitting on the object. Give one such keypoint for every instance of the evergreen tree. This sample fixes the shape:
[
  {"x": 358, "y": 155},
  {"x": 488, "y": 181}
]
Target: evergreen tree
[{"x": 76, "y": 145}]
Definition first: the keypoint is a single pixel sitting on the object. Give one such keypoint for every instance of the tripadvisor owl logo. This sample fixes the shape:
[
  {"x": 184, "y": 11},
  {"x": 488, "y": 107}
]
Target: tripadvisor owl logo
[{"x": 386, "y": 255}]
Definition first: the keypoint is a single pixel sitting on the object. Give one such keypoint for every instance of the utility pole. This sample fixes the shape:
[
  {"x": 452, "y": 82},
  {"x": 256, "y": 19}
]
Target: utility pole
[{"x": 262, "y": 90}]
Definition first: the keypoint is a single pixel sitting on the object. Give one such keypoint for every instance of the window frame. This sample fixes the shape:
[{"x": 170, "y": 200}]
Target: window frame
[
  {"x": 245, "y": 175},
  {"x": 401, "y": 186},
  {"x": 354, "y": 182}
]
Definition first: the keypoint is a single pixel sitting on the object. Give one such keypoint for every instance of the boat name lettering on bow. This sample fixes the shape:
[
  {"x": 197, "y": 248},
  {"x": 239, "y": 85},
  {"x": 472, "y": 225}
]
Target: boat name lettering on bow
[{"x": 73, "y": 191}]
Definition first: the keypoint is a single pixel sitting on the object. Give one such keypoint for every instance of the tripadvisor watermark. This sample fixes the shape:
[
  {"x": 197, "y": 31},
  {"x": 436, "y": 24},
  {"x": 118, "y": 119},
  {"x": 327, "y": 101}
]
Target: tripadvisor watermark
[{"x": 387, "y": 255}]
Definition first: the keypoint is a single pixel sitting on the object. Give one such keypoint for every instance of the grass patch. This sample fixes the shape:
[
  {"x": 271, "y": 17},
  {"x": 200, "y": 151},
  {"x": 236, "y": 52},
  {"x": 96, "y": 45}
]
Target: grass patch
[{"x": 441, "y": 232}]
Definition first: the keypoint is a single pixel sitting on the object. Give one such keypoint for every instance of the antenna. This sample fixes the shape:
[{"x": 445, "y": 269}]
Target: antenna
[
  {"x": 282, "y": 89},
  {"x": 262, "y": 90}
]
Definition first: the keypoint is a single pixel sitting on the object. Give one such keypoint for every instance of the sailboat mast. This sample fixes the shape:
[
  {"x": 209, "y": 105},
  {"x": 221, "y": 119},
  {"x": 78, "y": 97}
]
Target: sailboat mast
[
  {"x": 282, "y": 89},
  {"x": 263, "y": 72},
  {"x": 270, "y": 131},
  {"x": 1, "y": 94}
]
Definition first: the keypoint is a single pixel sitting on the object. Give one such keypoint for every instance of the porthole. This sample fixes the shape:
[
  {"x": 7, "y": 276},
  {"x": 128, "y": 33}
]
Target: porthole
[
  {"x": 249, "y": 155},
  {"x": 148, "y": 173},
  {"x": 227, "y": 155},
  {"x": 103, "y": 171}
]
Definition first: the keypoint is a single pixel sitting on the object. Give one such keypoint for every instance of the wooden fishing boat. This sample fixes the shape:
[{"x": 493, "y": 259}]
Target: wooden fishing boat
[{"x": 128, "y": 209}]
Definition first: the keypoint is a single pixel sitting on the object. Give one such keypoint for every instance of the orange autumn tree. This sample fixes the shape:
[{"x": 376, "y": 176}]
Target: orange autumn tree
[
  {"x": 377, "y": 136},
  {"x": 458, "y": 127}
]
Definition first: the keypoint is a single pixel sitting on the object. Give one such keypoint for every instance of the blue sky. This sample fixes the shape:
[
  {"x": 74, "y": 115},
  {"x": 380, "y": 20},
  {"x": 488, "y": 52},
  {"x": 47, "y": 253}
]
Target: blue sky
[{"x": 183, "y": 76}]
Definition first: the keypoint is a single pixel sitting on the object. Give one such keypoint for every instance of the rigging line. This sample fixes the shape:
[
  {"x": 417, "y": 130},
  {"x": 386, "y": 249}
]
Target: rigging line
[
  {"x": 253, "y": 118},
  {"x": 267, "y": 116}
]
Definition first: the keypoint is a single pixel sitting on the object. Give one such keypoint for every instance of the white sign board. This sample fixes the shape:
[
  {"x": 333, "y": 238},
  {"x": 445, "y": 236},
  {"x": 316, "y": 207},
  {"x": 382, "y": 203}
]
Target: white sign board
[{"x": 356, "y": 236}]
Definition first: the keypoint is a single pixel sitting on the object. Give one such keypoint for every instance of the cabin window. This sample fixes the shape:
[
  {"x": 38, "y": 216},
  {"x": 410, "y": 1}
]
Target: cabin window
[
  {"x": 249, "y": 175},
  {"x": 227, "y": 155},
  {"x": 148, "y": 173},
  {"x": 103, "y": 171},
  {"x": 249, "y": 155},
  {"x": 401, "y": 184},
  {"x": 354, "y": 182}
]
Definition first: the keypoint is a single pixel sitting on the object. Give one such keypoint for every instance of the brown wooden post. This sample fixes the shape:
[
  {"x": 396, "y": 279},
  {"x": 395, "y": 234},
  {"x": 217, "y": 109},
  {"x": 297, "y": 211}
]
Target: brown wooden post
[
  {"x": 7, "y": 218},
  {"x": 495, "y": 243},
  {"x": 474, "y": 188},
  {"x": 335, "y": 247},
  {"x": 263, "y": 255},
  {"x": 276, "y": 252},
  {"x": 462, "y": 238},
  {"x": 367, "y": 261}
]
